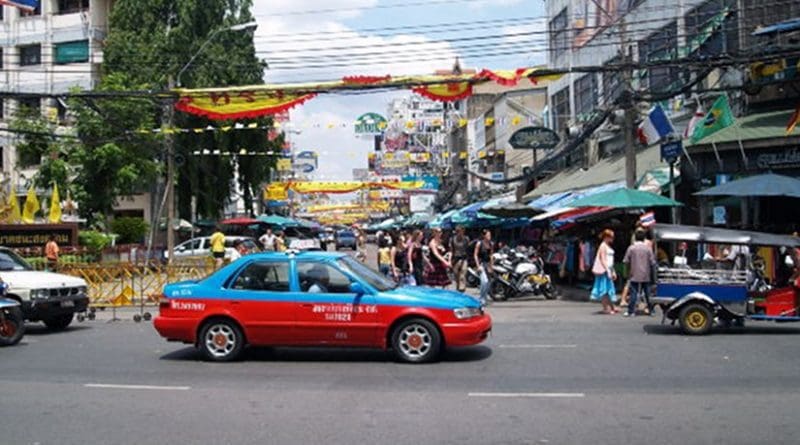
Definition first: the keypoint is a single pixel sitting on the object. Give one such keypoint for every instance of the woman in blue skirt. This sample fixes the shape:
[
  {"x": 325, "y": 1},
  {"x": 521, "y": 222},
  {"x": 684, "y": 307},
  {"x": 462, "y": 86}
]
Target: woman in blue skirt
[{"x": 604, "y": 275}]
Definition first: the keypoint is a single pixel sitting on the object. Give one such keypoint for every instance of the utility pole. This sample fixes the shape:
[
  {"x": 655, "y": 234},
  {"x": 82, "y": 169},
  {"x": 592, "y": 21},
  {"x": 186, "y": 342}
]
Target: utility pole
[
  {"x": 169, "y": 143},
  {"x": 628, "y": 107}
]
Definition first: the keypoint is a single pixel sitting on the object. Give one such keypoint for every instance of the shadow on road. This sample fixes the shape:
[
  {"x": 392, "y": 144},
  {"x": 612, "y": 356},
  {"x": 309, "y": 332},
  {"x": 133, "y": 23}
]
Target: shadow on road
[
  {"x": 268, "y": 354},
  {"x": 38, "y": 329},
  {"x": 747, "y": 330}
]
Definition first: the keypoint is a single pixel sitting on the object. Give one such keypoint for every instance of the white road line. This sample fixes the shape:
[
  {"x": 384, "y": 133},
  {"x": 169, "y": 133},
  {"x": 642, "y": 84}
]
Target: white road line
[
  {"x": 143, "y": 387},
  {"x": 538, "y": 346},
  {"x": 545, "y": 395}
]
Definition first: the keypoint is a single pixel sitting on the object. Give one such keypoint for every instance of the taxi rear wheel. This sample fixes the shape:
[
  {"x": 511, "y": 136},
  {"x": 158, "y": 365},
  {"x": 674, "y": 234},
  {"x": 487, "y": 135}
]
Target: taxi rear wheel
[
  {"x": 221, "y": 340},
  {"x": 696, "y": 319},
  {"x": 416, "y": 341}
]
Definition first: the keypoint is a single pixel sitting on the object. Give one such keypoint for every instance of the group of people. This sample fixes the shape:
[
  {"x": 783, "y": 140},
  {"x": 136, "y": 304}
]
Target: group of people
[{"x": 410, "y": 257}]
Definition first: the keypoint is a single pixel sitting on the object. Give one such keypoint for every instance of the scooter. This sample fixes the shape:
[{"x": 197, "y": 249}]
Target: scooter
[
  {"x": 516, "y": 275},
  {"x": 12, "y": 323}
]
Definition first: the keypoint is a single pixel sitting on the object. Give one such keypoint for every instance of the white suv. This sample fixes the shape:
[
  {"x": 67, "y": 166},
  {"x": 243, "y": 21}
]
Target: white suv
[
  {"x": 201, "y": 247},
  {"x": 45, "y": 296}
]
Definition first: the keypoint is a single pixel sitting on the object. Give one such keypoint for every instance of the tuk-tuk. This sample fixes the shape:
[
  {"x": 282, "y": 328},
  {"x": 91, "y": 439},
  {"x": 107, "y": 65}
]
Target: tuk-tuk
[
  {"x": 12, "y": 323},
  {"x": 726, "y": 289}
]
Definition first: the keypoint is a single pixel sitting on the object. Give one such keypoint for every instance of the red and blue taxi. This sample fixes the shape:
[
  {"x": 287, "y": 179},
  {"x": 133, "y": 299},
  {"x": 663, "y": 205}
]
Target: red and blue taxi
[{"x": 316, "y": 299}]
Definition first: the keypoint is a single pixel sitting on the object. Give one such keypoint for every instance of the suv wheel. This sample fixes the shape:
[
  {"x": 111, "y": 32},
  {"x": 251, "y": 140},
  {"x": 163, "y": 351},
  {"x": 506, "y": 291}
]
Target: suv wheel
[{"x": 59, "y": 322}]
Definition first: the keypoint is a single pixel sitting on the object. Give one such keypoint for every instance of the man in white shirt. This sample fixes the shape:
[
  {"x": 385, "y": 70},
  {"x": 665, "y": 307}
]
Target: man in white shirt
[{"x": 268, "y": 241}]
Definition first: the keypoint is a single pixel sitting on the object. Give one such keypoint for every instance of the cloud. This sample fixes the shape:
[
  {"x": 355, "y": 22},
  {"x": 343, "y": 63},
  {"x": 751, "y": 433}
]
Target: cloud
[{"x": 532, "y": 38}]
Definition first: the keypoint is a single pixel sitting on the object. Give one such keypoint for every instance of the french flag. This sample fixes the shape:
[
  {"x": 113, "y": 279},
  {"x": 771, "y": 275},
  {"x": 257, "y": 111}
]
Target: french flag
[
  {"x": 648, "y": 219},
  {"x": 28, "y": 5},
  {"x": 655, "y": 127}
]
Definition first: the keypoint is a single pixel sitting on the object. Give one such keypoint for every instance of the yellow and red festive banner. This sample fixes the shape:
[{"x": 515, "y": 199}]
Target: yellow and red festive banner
[
  {"x": 319, "y": 208},
  {"x": 274, "y": 190},
  {"x": 260, "y": 100}
]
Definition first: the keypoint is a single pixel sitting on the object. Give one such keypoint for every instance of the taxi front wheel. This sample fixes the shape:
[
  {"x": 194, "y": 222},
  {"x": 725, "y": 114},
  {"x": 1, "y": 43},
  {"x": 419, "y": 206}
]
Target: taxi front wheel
[
  {"x": 416, "y": 341},
  {"x": 221, "y": 340}
]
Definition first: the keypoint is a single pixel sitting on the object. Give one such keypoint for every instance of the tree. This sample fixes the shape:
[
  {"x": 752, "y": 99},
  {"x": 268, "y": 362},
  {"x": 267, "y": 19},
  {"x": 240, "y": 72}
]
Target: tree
[{"x": 39, "y": 144}]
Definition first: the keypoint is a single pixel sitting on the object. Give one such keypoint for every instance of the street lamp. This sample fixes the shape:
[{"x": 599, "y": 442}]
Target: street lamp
[
  {"x": 239, "y": 27},
  {"x": 170, "y": 142}
]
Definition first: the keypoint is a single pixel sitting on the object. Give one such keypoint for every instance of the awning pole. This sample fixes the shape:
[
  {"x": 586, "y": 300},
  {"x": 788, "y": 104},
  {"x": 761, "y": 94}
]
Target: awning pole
[
  {"x": 674, "y": 210},
  {"x": 716, "y": 153}
]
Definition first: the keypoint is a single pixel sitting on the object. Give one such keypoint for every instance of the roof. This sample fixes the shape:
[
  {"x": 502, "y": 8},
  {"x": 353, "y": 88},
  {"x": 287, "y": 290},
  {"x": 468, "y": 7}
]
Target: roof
[
  {"x": 784, "y": 26},
  {"x": 670, "y": 232},
  {"x": 607, "y": 170},
  {"x": 768, "y": 125},
  {"x": 304, "y": 254}
]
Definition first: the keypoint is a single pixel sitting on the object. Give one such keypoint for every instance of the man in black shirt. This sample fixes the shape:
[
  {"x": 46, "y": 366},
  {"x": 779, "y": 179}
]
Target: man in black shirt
[{"x": 459, "y": 246}]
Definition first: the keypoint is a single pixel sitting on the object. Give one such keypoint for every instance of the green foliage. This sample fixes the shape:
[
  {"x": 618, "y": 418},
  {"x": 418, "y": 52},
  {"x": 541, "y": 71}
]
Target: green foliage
[
  {"x": 93, "y": 240},
  {"x": 37, "y": 145},
  {"x": 130, "y": 230}
]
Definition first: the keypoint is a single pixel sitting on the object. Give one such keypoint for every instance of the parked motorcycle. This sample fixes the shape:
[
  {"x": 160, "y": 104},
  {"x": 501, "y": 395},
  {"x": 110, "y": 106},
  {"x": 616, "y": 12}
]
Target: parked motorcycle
[
  {"x": 12, "y": 324},
  {"x": 517, "y": 274}
]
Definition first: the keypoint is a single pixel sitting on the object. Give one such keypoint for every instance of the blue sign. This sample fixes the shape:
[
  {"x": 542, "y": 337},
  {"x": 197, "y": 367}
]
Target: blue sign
[
  {"x": 430, "y": 182},
  {"x": 671, "y": 151}
]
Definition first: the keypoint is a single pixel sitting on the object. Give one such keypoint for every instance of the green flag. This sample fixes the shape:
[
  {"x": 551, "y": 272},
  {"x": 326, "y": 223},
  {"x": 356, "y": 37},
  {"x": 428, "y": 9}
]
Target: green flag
[{"x": 717, "y": 118}]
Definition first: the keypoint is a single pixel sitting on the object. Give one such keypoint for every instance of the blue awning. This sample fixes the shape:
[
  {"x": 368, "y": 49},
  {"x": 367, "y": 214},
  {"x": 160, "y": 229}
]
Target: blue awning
[{"x": 784, "y": 26}]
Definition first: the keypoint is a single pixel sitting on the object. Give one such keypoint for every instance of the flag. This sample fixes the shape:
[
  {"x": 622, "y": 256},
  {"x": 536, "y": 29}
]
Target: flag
[
  {"x": 647, "y": 219},
  {"x": 55, "y": 206},
  {"x": 13, "y": 209},
  {"x": 717, "y": 118},
  {"x": 28, "y": 5},
  {"x": 793, "y": 121},
  {"x": 699, "y": 114},
  {"x": 655, "y": 127},
  {"x": 31, "y": 207}
]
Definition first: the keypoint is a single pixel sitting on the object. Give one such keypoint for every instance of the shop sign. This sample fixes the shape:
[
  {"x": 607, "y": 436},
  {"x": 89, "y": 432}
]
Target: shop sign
[
  {"x": 534, "y": 138},
  {"x": 370, "y": 124},
  {"x": 782, "y": 159},
  {"x": 37, "y": 235},
  {"x": 671, "y": 151},
  {"x": 720, "y": 215}
]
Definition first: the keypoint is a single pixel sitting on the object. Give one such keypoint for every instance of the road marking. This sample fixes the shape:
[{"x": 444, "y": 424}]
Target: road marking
[
  {"x": 144, "y": 387},
  {"x": 546, "y": 395},
  {"x": 538, "y": 346}
]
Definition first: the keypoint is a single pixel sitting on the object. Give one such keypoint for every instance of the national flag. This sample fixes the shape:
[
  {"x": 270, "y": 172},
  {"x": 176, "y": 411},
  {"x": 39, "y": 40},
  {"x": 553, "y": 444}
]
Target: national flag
[
  {"x": 27, "y": 5},
  {"x": 31, "y": 207},
  {"x": 55, "y": 206},
  {"x": 647, "y": 219},
  {"x": 793, "y": 121},
  {"x": 13, "y": 209},
  {"x": 655, "y": 126},
  {"x": 718, "y": 117},
  {"x": 699, "y": 114}
]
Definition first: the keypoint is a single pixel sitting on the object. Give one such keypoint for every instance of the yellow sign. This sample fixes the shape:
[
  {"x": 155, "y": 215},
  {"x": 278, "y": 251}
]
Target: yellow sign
[
  {"x": 277, "y": 192},
  {"x": 284, "y": 165}
]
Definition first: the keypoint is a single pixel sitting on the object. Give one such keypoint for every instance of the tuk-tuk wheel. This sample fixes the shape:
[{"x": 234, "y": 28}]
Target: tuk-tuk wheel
[{"x": 696, "y": 319}]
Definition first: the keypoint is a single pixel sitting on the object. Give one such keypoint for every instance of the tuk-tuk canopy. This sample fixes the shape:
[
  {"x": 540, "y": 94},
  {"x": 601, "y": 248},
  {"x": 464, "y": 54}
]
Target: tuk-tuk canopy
[{"x": 669, "y": 232}]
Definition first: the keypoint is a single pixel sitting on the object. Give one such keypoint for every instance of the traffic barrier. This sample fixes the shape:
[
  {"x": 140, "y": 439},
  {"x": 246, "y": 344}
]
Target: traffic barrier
[{"x": 127, "y": 284}]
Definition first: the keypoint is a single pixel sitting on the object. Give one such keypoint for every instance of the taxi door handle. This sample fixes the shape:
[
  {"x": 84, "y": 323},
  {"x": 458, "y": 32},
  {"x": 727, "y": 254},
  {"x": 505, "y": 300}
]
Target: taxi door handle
[
  {"x": 307, "y": 305},
  {"x": 235, "y": 302}
]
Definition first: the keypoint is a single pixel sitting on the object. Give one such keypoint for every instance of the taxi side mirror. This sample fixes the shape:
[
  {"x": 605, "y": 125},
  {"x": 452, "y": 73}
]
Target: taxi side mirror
[{"x": 357, "y": 288}]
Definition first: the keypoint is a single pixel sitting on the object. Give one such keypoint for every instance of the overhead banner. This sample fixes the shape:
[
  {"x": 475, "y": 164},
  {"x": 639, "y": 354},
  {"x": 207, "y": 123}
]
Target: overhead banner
[
  {"x": 239, "y": 104},
  {"x": 305, "y": 187}
]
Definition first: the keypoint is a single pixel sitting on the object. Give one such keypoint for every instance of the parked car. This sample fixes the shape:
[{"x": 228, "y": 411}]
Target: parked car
[
  {"x": 44, "y": 296},
  {"x": 316, "y": 299},
  {"x": 301, "y": 239},
  {"x": 345, "y": 238},
  {"x": 197, "y": 248}
]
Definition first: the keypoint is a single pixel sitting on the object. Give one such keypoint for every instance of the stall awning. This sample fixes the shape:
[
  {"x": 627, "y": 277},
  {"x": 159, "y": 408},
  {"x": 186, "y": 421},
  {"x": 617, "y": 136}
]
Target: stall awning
[
  {"x": 606, "y": 171},
  {"x": 771, "y": 125}
]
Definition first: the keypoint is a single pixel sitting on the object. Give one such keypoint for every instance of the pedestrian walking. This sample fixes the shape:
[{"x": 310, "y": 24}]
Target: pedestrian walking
[
  {"x": 640, "y": 260},
  {"x": 437, "y": 272},
  {"x": 384, "y": 257},
  {"x": 459, "y": 249},
  {"x": 361, "y": 245},
  {"x": 398, "y": 254},
  {"x": 604, "y": 275},
  {"x": 415, "y": 259},
  {"x": 217, "y": 242},
  {"x": 51, "y": 252},
  {"x": 280, "y": 242},
  {"x": 484, "y": 260},
  {"x": 268, "y": 241}
]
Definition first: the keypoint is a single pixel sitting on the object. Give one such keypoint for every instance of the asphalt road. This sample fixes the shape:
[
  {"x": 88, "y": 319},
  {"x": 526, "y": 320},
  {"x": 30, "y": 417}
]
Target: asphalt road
[{"x": 552, "y": 372}]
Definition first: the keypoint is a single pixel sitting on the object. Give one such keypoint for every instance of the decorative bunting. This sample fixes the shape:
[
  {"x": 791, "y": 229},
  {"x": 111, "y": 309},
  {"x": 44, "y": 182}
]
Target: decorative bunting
[
  {"x": 445, "y": 92},
  {"x": 238, "y": 104}
]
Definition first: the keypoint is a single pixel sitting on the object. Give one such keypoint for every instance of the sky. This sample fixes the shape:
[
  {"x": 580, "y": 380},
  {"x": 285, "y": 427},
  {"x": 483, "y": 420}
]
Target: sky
[{"x": 312, "y": 40}]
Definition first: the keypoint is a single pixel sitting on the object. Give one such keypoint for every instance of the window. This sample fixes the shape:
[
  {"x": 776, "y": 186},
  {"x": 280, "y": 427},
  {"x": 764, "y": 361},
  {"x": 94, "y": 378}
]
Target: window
[
  {"x": 1, "y": 54},
  {"x": 612, "y": 85},
  {"x": 586, "y": 94},
  {"x": 2, "y": 108},
  {"x": 71, "y": 6},
  {"x": 322, "y": 278},
  {"x": 30, "y": 55},
  {"x": 30, "y": 105},
  {"x": 707, "y": 17},
  {"x": 760, "y": 12},
  {"x": 561, "y": 109},
  {"x": 268, "y": 277},
  {"x": 559, "y": 35},
  {"x": 663, "y": 45},
  {"x": 72, "y": 52}
]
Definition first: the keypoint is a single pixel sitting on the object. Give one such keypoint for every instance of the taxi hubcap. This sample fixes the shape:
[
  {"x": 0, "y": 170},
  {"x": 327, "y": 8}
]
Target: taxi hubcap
[
  {"x": 220, "y": 340},
  {"x": 415, "y": 340}
]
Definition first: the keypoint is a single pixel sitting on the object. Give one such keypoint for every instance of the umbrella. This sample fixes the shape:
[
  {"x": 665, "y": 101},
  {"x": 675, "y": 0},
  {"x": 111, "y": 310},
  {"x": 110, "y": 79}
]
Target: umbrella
[
  {"x": 511, "y": 210},
  {"x": 768, "y": 184},
  {"x": 239, "y": 221},
  {"x": 277, "y": 220},
  {"x": 625, "y": 198}
]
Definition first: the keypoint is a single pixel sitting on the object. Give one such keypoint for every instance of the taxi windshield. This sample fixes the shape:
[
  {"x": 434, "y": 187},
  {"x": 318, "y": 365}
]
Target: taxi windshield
[{"x": 373, "y": 278}]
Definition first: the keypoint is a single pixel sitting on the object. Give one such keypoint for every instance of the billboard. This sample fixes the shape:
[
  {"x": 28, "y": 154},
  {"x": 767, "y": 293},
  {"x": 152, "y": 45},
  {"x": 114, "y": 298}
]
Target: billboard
[{"x": 370, "y": 124}]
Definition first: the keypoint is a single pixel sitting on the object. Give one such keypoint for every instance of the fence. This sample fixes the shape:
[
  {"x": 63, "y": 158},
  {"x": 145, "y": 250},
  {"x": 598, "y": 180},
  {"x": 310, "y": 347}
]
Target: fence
[{"x": 127, "y": 284}]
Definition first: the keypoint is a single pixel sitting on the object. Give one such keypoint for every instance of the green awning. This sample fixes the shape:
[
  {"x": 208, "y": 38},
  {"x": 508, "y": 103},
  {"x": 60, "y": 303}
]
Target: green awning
[{"x": 755, "y": 126}]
